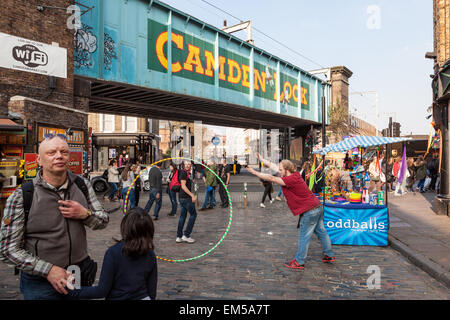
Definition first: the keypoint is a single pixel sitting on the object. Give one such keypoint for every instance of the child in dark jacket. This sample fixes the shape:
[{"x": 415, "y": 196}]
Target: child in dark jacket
[{"x": 129, "y": 270}]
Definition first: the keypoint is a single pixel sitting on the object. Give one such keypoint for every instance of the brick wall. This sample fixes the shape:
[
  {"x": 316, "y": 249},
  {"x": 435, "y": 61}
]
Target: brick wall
[
  {"x": 21, "y": 18},
  {"x": 37, "y": 113},
  {"x": 441, "y": 12}
]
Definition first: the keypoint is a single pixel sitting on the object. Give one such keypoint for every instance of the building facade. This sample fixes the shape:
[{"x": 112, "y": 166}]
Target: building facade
[
  {"x": 136, "y": 139},
  {"x": 441, "y": 97}
]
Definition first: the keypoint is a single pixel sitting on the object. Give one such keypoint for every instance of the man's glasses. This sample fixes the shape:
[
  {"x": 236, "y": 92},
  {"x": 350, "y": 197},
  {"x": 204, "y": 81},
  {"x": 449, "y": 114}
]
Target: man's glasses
[{"x": 49, "y": 136}]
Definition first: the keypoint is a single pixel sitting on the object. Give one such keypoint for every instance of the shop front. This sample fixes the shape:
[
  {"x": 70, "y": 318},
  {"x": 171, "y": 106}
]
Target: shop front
[
  {"x": 123, "y": 147},
  {"x": 354, "y": 216},
  {"x": 13, "y": 138}
]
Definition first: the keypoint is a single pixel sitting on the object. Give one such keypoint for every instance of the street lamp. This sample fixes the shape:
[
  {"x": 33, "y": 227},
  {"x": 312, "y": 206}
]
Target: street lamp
[{"x": 361, "y": 93}]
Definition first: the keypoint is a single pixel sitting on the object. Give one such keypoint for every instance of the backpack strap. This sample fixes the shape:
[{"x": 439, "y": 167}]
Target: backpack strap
[
  {"x": 82, "y": 186},
  {"x": 27, "y": 193}
]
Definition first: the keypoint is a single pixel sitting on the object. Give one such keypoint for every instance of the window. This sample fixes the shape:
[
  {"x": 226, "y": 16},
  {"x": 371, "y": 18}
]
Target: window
[
  {"x": 130, "y": 124},
  {"x": 106, "y": 123}
]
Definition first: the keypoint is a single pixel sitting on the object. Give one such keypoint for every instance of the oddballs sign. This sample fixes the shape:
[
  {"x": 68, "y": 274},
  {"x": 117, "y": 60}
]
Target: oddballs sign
[{"x": 357, "y": 225}]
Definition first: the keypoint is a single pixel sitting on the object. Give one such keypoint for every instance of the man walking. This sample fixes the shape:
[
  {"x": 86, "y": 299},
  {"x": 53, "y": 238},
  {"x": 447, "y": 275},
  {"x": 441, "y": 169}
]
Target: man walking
[
  {"x": 210, "y": 184},
  {"x": 155, "y": 179},
  {"x": 187, "y": 202},
  {"x": 43, "y": 228},
  {"x": 302, "y": 202},
  {"x": 224, "y": 174}
]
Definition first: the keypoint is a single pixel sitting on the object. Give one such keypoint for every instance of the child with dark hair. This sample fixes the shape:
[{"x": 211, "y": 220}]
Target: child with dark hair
[{"x": 129, "y": 270}]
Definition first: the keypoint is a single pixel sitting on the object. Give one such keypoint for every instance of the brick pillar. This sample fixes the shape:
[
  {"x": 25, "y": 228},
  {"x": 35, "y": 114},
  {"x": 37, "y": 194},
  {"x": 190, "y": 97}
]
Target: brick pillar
[
  {"x": 339, "y": 85},
  {"x": 441, "y": 18},
  {"x": 339, "y": 90}
]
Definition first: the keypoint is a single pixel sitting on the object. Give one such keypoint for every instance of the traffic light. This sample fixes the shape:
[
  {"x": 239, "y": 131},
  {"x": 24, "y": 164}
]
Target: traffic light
[
  {"x": 317, "y": 136},
  {"x": 385, "y": 132},
  {"x": 396, "y": 129},
  {"x": 309, "y": 139}
]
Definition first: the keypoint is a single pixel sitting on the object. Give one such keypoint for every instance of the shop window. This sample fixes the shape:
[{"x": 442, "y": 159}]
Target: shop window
[{"x": 106, "y": 123}]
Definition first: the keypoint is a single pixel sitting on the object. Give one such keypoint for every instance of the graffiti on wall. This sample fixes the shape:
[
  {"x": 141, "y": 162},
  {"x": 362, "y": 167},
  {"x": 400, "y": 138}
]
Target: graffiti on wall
[{"x": 85, "y": 44}]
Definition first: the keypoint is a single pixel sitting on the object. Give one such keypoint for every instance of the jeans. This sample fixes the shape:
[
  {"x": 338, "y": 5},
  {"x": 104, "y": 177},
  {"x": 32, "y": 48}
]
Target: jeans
[
  {"x": 114, "y": 189},
  {"x": 421, "y": 184},
  {"x": 210, "y": 198},
  {"x": 173, "y": 200},
  {"x": 38, "y": 288},
  {"x": 312, "y": 221},
  {"x": 131, "y": 200},
  {"x": 280, "y": 193},
  {"x": 152, "y": 198},
  {"x": 186, "y": 206}
]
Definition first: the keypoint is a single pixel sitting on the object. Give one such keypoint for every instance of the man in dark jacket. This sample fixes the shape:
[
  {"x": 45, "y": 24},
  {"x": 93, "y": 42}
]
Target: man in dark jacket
[
  {"x": 224, "y": 174},
  {"x": 433, "y": 168},
  {"x": 155, "y": 179}
]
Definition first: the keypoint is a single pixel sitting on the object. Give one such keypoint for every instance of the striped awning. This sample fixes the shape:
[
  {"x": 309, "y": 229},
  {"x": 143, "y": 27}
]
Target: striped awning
[{"x": 360, "y": 141}]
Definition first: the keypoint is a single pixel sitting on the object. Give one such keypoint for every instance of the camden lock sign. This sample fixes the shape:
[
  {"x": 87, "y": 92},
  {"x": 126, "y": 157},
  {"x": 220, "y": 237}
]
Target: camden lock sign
[
  {"x": 31, "y": 56},
  {"x": 194, "y": 59}
]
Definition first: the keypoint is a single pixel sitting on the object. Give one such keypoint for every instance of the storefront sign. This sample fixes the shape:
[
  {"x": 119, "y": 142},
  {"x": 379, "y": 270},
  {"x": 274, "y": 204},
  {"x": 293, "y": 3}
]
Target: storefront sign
[
  {"x": 76, "y": 162},
  {"x": 362, "y": 225},
  {"x": 77, "y": 137},
  {"x": 31, "y": 56},
  {"x": 194, "y": 59},
  {"x": 12, "y": 151},
  {"x": 8, "y": 164},
  {"x": 14, "y": 138},
  {"x": 30, "y": 166}
]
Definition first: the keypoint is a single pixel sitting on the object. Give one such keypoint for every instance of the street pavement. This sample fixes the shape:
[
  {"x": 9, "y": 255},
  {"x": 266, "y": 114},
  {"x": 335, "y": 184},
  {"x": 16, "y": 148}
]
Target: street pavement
[
  {"x": 248, "y": 263},
  {"x": 421, "y": 235}
]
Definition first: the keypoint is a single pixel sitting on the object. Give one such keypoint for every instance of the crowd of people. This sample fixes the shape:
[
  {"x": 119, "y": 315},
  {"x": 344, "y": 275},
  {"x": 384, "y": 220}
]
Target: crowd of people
[{"x": 354, "y": 174}]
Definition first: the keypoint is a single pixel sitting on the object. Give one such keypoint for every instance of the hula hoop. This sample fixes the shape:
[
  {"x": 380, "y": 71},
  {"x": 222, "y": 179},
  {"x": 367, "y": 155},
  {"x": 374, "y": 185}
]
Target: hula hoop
[{"x": 228, "y": 194}]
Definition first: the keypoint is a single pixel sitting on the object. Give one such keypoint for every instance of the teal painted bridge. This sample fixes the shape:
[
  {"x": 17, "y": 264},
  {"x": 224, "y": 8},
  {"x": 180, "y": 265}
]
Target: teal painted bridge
[{"x": 145, "y": 58}]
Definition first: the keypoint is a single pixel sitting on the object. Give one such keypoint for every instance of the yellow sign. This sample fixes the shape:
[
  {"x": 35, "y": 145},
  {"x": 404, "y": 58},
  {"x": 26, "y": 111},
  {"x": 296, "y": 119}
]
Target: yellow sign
[{"x": 6, "y": 164}]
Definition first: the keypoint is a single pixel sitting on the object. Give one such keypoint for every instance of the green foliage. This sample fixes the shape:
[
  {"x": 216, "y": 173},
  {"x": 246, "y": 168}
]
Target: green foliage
[{"x": 338, "y": 116}]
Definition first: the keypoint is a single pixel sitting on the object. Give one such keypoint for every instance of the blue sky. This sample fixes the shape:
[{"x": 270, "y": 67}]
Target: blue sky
[{"x": 389, "y": 59}]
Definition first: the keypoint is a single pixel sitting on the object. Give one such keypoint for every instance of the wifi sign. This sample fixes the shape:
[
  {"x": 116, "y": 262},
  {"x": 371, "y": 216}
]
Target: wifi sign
[{"x": 30, "y": 56}]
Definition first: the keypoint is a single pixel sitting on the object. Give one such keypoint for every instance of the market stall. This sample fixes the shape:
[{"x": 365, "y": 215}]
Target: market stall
[
  {"x": 13, "y": 138},
  {"x": 355, "y": 217}
]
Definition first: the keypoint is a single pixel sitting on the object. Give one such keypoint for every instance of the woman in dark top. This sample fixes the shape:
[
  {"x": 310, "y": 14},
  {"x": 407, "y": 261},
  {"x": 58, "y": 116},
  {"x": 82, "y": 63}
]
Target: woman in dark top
[
  {"x": 129, "y": 270},
  {"x": 268, "y": 189}
]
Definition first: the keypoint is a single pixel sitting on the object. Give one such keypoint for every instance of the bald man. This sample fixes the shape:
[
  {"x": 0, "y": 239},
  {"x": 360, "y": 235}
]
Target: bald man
[{"x": 52, "y": 236}]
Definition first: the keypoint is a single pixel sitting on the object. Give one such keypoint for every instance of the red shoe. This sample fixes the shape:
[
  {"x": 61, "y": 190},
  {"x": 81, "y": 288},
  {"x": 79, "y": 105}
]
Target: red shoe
[
  {"x": 327, "y": 259},
  {"x": 294, "y": 265}
]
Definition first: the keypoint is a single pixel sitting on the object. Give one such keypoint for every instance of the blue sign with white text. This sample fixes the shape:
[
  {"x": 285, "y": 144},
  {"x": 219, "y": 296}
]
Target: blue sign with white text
[
  {"x": 363, "y": 225},
  {"x": 215, "y": 141}
]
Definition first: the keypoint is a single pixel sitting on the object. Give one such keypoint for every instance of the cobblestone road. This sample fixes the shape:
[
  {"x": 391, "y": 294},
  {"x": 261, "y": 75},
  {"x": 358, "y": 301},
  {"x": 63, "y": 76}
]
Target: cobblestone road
[{"x": 248, "y": 264}]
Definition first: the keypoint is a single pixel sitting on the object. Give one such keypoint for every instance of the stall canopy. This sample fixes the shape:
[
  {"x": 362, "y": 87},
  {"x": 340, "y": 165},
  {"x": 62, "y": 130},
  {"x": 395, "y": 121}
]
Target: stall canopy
[{"x": 359, "y": 141}]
